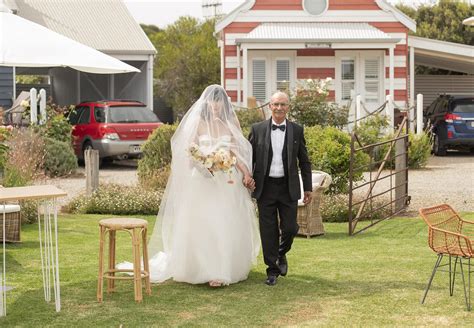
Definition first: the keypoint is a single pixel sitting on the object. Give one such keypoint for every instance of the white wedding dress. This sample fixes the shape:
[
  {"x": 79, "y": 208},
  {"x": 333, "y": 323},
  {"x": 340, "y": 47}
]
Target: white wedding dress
[{"x": 214, "y": 234}]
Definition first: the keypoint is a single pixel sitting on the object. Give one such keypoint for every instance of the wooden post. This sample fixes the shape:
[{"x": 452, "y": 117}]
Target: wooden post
[
  {"x": 91, "y": 160},
  {"x": 401, "y": 189}
]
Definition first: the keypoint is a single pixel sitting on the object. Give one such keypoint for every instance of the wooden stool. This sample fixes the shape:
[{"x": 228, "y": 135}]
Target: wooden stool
[{"x": 137, "y": 228}]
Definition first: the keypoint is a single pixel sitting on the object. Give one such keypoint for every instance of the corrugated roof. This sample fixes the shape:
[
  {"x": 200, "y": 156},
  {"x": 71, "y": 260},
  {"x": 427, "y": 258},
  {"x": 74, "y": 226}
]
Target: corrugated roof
[
  {"x": 333, "y": 32},
  {"x": 105, "y": 25}
]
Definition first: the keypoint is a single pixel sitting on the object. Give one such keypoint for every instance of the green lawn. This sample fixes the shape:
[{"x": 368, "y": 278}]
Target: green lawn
[{"x": 373, "y": 279}]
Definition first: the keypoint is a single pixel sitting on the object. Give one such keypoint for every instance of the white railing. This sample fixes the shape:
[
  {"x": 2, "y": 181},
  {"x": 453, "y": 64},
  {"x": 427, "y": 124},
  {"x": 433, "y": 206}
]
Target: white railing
[{"x": 34, "y": 99}]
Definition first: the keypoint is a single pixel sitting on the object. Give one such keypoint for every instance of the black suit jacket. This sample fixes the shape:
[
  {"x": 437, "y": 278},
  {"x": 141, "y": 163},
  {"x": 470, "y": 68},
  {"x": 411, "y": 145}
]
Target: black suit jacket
[{"x": 296, "y": 155}]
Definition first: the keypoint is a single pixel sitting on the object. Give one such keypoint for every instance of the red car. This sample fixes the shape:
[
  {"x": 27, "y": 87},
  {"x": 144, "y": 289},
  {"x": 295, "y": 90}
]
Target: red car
[{"x": 116, "y": 128}]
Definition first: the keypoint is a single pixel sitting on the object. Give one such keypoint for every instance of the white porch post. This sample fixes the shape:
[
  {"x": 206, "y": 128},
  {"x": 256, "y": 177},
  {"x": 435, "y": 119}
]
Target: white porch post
[
  {"x": 33, "y": 106},
  {"x": 220, "y": 44},
  {"x": 391, "y": 72},
  {"x": 412, "y": 75},
  {"x": 389, "y": 113},
  {"x": 419, "y": 114},
  {"x": 245, "y": 77},
  {"x": 411, "y": 112},
  {"x": 149, "y": 81},
  {"x": 239, "y": 99},
  {"x": 358, "y": 110}
]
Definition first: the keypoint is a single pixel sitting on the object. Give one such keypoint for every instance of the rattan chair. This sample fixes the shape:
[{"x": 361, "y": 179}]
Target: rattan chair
[
  {"x": 309, "y": 217},
  {"x": 12, "y": 223},
  {"x": 447, "y": 235}
]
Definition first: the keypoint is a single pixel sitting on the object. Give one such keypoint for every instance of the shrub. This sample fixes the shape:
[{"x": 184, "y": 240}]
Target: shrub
[
  {"x": 248, "y": 117},
  {"x": 335, "y": 208},
  {"x": 419, "y": 150},
  {"x": 329, "y": 151},
  {"x": 60, "y": 159},
  {"x": 118, "y": 200},
  {"x": 25, "y": 158},
  {"x": 309, "y": 105},
  {"x": 371, "y": 131},
  {"x": 5, "y": 133},
  {"x": 156, "y": 157},
  {"x": 29, "y": 211},
  {"x": 58, "y": 128}
]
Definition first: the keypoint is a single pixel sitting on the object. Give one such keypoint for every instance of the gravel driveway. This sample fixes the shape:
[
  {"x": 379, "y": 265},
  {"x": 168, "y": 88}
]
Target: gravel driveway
[
  {"x": 124, "y": 173},
  {"x": 448, "y": 179}
]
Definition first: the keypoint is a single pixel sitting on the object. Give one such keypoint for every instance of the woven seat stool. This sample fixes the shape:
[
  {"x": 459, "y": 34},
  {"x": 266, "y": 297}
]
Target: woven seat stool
[{"x": 137, "y": 228}]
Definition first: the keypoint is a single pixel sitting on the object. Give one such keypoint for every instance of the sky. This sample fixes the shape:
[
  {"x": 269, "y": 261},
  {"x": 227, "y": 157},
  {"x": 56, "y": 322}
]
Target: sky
[{"x": 165, "y": 12}]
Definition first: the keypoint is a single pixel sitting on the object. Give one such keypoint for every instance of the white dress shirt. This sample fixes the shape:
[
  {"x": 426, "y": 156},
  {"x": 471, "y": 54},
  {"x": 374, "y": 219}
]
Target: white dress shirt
[{"x": 278, "y": 140}]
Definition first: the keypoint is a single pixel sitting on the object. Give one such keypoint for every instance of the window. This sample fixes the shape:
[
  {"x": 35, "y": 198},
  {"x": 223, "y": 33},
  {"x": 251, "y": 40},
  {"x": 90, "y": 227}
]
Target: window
[
  {"x": 347, "y": 78},
  {"x": 315, "y": 7},
  {"x": 73, "y": 117},
  {"x": 283, "y": 75},
  {"x": 372, "y": 69},
  {"x": 129, "y": 114},
  {"x": 99, "y": 114},
  {"x": 259, "y": 84},
  {"x": 85, "y": 116}
]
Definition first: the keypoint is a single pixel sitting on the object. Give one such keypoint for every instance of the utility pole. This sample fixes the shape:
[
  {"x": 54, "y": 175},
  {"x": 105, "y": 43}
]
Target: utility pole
[{"x": 211, "y": 8}]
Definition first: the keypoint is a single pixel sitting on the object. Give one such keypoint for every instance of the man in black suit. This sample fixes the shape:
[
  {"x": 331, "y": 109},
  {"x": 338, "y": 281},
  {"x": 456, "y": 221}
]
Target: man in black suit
[{"x": 279, "y": 148}]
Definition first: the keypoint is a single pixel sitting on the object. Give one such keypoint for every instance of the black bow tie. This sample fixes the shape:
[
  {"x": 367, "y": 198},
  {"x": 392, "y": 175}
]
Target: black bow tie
[{"x": 281, "y": 127}]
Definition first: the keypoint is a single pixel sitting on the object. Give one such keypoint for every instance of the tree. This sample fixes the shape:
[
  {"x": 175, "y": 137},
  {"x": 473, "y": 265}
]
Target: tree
[
  {"x": 150, "y": 29},
  {"x": 188, "y": 60},
  {"x": 442, "y": 21}
]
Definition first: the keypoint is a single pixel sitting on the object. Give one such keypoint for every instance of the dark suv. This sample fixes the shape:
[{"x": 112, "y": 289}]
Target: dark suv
[
  {"x": 117, "y": 128},
  {"x": 451, "y": 119}
]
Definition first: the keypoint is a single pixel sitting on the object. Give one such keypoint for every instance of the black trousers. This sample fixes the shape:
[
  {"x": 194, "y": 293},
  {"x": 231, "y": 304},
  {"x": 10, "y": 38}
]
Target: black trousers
[{"x": 274, "y": 203}]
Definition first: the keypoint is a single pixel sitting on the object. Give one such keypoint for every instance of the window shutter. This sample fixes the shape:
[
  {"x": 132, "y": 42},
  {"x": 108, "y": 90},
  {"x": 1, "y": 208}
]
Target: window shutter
[
  {"x": 372, "y": 80},
  {"x": 283, "y": 75},
  {"x": 259, "y": 84}
]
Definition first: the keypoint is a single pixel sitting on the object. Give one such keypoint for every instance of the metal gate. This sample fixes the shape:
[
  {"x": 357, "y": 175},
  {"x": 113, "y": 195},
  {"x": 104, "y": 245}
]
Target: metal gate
[{"x": 385, "y": 194}]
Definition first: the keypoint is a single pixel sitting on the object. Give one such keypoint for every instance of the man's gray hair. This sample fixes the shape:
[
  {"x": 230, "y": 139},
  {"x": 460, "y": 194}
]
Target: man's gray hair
[{"x": 279, "y": 94}]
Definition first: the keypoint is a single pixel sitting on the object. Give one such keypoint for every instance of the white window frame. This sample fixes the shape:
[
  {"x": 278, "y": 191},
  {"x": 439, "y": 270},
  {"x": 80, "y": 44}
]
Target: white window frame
[
  {"x": 271, "y": 58},
  {"x": 359, "y": 73}
]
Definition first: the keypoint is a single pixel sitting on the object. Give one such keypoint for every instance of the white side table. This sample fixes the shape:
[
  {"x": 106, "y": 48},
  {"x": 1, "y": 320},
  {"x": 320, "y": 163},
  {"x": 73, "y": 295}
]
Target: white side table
[{"x": 46, "y": 196}]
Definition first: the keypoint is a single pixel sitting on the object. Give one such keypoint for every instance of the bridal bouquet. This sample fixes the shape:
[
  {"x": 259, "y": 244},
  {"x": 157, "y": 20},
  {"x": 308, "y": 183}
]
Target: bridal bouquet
[{"x": 218, "y": 160}]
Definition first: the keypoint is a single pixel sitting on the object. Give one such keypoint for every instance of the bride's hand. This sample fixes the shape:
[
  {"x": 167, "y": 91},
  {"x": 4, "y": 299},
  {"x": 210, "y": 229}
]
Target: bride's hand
[{"x": 249, "y": 182}]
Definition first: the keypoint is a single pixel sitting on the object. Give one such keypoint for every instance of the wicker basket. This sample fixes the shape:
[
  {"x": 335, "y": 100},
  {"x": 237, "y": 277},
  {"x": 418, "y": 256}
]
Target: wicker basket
[
  {"x": 12, "y": 224},
  {"x": 309, "y": 216}
]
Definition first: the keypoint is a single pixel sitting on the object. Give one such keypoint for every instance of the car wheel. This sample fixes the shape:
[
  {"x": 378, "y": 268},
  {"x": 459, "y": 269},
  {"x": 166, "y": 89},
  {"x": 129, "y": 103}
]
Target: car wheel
[
  {"x": 438, "y": 150},
  {"x": 88, "y": 145}
]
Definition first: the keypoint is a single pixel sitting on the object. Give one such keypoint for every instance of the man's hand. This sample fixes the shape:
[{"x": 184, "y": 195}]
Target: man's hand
[
  {"x": 249, "y": 182},
  {"x": 308, "y": 195}
]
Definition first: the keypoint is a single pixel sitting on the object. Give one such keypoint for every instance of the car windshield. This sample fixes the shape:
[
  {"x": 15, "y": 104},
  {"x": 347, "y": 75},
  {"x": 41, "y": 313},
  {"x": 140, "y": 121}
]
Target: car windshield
[
  {"x": 130, "y": 114},
  {"x": 464, "y": 107}
]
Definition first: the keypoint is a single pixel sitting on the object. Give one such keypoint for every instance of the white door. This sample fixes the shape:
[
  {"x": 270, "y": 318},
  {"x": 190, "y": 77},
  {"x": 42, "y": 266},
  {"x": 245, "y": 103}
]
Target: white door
[{"x": 360, "y": 73}]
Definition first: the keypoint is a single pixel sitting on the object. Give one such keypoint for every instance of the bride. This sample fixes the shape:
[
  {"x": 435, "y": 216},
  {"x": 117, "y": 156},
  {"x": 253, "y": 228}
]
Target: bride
[{"x": 206, "y": 229}]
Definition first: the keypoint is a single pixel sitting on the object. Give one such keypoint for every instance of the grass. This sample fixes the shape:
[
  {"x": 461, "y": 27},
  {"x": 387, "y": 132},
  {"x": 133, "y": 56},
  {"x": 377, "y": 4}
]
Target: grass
[{"x": 374, "y": 279}]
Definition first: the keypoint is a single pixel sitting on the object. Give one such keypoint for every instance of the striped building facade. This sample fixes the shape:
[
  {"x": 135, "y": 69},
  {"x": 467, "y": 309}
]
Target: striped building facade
[{"x": 361, "y": 45}]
